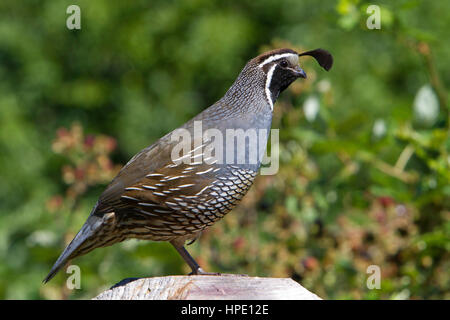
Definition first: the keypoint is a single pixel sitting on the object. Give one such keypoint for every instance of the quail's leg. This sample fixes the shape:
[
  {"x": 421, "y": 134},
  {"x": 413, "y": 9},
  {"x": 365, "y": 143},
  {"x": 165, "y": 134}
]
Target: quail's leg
[{"x": 196, "y": 270}]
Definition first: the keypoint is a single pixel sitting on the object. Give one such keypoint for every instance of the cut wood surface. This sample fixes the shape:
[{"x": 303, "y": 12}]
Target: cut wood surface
[{"x": 223, "y": 287}]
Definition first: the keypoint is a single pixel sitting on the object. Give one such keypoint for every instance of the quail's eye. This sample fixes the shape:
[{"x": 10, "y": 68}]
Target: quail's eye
[{"x": 283, "y": 63}]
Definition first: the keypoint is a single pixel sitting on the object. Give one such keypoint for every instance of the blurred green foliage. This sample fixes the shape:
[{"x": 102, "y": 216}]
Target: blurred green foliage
[{"x": 365, "y": 149}]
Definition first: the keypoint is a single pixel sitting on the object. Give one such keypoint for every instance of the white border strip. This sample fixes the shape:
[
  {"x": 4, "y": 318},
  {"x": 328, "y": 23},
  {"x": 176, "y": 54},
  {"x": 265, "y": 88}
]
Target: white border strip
[
  {"x": 275, "y": 57},
  {"x": 267, "y": 89}
]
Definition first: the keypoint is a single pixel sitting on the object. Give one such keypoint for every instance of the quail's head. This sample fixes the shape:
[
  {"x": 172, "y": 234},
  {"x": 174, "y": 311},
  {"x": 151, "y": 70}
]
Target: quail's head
[{"x": 281, "y": 67}]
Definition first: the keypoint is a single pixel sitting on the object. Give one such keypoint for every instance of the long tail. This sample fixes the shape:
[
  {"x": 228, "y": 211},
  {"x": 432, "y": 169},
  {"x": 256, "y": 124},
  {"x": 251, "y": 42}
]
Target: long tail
[{"x": 83, "y": 242}]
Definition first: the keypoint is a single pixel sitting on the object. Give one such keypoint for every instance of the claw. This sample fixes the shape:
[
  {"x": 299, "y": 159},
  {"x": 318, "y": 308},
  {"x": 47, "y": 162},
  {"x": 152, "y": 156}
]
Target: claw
[{"x": 201, "y": 272}]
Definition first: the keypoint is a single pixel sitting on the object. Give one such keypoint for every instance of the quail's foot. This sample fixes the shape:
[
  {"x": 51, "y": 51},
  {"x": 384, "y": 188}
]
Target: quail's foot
[{"x": 201, "y": 272}]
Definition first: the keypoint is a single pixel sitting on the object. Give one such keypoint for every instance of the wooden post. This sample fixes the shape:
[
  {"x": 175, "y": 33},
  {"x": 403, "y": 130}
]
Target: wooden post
[{"x": 223, "y": 287}]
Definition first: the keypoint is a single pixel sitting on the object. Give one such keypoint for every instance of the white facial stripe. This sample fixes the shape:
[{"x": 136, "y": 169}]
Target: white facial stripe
[
  {"x": 276, "y": 57},
  {"x": 267, "y": 89}
]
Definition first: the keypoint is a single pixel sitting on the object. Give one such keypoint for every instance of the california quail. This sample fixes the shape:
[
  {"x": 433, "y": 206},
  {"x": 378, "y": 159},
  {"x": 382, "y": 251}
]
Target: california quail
[{"x": 162, "y": 195}]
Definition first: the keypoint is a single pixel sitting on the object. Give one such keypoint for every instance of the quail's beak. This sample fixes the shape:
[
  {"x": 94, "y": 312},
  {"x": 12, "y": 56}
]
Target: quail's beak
[{"x": 300, "y": 72}]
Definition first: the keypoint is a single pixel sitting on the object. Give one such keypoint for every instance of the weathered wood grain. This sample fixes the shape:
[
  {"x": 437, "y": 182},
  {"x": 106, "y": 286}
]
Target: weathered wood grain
[{"x": 223, "y": 287}]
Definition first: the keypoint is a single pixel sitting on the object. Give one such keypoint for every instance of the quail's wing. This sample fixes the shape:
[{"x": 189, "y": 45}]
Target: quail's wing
[{"x": 152, "y": 177}]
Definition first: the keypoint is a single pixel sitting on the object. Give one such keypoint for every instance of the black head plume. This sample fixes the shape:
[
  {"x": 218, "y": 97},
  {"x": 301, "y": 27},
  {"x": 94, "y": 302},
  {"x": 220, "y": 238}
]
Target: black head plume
[{"x": 323, "y": 57}]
